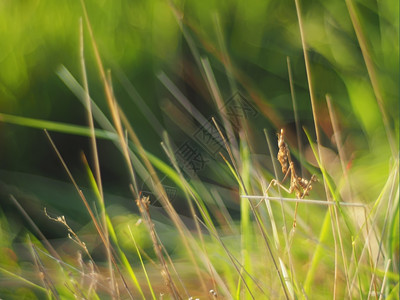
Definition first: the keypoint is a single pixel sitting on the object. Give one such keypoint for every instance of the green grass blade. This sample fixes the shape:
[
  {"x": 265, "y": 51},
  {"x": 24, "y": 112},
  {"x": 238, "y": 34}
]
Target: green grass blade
[
  {"x": 318, "y": 253},
  {"x": 22, "y": 279},
  {"x": 329, "y": 183},
  {"x": 123, "y": 257},
  {"x": 111, "y": 231},
  {"x": 142, "y": 263},
  {"x": 54, "y": 126},
  {"x": 245, "y": 211}
]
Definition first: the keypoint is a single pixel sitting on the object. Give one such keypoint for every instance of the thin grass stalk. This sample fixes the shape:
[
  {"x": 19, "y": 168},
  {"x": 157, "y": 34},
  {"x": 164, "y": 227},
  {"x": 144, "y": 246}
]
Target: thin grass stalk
[
  {"x": 54, "y": 126},
  {"x": 287, "y": 276},
  {"x": 384, "y": 280},
  {"x": 123, "y": 259},
  {"x": 285, "y": 233},
  {"x": 23, "y": 280},
  {"x": 314, "y": 112},
  {"x": 296, "y": 115},
  {"x": 220, "y": 213},
  {"x": 273, "y": 223},
  {"x": 198, "y": 229},
  {"x": 35, "y": 228},
  {"x": 336, "y": 131},
  {"x": 343, "y": 162},
  {"x": 187, "y": 190},
  {"x": 74, "y": 86},
  {"x": 357, "y": 274},
  {"x": 366, "y": 53},
  {"x": 305, "y": 201},
  {"x": 224, "y": 211},
  {"x": 201, "y": 237},
  {"x": 90, "y": 116},
  {"x": 205, "y": 70},
  {"x": 333, "y": 209},
  {"x": 171, "y": 263},
  {"x": 308, "y": 72},
  {"x": 43, "y": 275},
  {"x": 179, "y": 16},
  {"x": 95, "y": 154},
  {"x": 216, "y": 95},
  {"x": 167, "y": 147},
  {"x": 138, "y": 100},
  {"x": 142, "y": 264},
  {"x": 189, "y": 107},
  {"x": 94, "y": 270},
  {"x": 142, "y": 204},
  {"x": 245, "y": 222},
  {"x": 227, "y": 62},
  {"x": 393, "y": 239},
  {"x": 160, "y": 191},
  {"x": 191, "y": 207},
  {"x": 376, "y": 208},
  {"x": 336, "y": 270},
  {"x": 366, "y": 247},
  {"x": 390, "y": 206},
  {"x": 365, "y": 227},
  {"x": 241, "y": 77},
  {"x": 386, "y": 220},
  {"x": 240, "y": 181},
  {"x": 373, "y": 283},
  {"x": 338, "y": 141},
  {"x": 235, "y": 262},
  {"x": 343, "y": 253},
  {"x": 318, "y": 253},
  {"x": 71, "y": 235},
  {"x": 110, "y": 230},
  {"x": 111, "y": 101},
  {"x": 87, "y": 206}
]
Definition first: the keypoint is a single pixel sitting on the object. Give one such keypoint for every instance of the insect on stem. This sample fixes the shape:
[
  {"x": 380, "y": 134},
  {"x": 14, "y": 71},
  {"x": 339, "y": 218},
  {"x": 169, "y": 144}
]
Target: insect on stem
[{"x": 298, "y": 185}]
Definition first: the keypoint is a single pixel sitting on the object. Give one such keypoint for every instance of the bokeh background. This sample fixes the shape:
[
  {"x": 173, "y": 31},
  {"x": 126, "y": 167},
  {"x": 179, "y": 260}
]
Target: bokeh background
[
  {"x": 139, "y": 40},
  {"x": 163, "y": 57}
]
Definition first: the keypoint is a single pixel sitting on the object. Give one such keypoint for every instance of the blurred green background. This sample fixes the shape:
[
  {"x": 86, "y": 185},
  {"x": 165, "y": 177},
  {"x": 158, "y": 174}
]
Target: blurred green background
[
  {"x": 140, "y": 39},
  {"x": 146, "y": 44}
]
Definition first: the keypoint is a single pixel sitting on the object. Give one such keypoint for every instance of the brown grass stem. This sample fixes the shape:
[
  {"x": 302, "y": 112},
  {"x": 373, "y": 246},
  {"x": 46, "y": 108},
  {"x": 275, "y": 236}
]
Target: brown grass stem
[
  {"x": 35, "y": 228},
  {"x": 341, "y": 157},
  {"x": 143, "y": 205},
  {"x": 111, "y": 101},
  {"x": 96, "y": 162},
  {"x": 315, "y": 117},
  {"x": 43, "y": 275},
  {"x": 160, "y": 191},
  {"x": 88, "y": 208},
  {"x": 265, "y": 238}
]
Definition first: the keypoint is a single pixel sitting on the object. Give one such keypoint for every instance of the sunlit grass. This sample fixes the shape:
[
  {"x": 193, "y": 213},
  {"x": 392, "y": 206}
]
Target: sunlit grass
[{"x": 238, "y": 239}]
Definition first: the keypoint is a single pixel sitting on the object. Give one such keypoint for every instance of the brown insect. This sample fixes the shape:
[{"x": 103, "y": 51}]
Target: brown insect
[
  {"x": 298, "y": 185},
  {"x": 283, "y": 154}
]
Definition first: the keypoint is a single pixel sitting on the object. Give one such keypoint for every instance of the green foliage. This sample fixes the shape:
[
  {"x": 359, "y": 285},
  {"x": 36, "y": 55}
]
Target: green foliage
[{"x": 173, "y": 66}]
